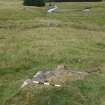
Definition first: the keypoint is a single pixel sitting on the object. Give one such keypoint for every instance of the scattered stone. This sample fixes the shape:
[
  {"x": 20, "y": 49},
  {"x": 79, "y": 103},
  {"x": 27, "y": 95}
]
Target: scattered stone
[
  {"x": 26, "y": 82},
  {"x": 39, "y": 76}
]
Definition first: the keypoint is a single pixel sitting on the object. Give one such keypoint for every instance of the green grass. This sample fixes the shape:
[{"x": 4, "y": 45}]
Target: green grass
[{"x": 31, "y": 39}]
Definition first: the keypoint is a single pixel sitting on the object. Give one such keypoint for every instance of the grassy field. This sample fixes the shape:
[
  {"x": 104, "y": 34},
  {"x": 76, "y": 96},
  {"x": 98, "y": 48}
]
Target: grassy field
[{"x": 31, "y": 39}]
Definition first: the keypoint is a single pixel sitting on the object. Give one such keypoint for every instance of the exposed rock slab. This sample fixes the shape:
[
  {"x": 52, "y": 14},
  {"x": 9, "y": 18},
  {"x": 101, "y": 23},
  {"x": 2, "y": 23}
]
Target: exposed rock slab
[{"x": 57, "y": 75}]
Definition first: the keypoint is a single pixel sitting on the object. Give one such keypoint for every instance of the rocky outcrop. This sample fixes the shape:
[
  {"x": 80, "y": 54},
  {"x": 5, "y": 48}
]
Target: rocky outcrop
[{"x": 58, "y": 75}]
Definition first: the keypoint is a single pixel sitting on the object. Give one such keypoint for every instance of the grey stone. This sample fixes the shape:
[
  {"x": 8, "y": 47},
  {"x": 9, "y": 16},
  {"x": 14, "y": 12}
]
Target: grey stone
[{"x": 39, "y": 76}]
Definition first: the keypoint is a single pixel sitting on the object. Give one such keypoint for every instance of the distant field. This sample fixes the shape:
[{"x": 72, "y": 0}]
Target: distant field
[{"x": 31, "y": 39}]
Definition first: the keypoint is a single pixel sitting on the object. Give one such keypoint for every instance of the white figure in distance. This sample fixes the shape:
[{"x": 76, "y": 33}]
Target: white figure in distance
[
  {"x": 88, "y": 9},
  {"x": 52, "y": 9}
]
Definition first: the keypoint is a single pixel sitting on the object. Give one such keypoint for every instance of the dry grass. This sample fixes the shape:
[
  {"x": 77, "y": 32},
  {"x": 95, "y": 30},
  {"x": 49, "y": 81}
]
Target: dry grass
[{"x": 31, "y": 39}]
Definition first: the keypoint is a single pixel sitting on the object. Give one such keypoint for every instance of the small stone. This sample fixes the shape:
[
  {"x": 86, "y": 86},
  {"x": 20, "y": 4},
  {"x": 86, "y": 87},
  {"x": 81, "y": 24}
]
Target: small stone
[
  {"x": 26, "y": 82},
  {"x": 62, "y": 66}
]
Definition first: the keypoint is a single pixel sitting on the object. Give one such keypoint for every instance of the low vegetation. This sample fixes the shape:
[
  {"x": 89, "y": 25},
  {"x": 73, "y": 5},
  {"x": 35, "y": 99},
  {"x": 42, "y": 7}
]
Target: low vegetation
[
  {"x": 31, "y": 40},
  {"x": 38, "y": 3}
]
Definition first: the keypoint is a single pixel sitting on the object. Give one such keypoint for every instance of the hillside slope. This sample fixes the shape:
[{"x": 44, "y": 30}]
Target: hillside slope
[{"x": 33, "y": 40}]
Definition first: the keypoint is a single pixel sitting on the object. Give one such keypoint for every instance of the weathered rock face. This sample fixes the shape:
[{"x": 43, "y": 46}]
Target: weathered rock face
[{"x": 58, "y": 75}]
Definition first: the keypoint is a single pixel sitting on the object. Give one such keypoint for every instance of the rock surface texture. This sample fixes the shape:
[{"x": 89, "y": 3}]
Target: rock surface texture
[{"x": 58, "y": 75}]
